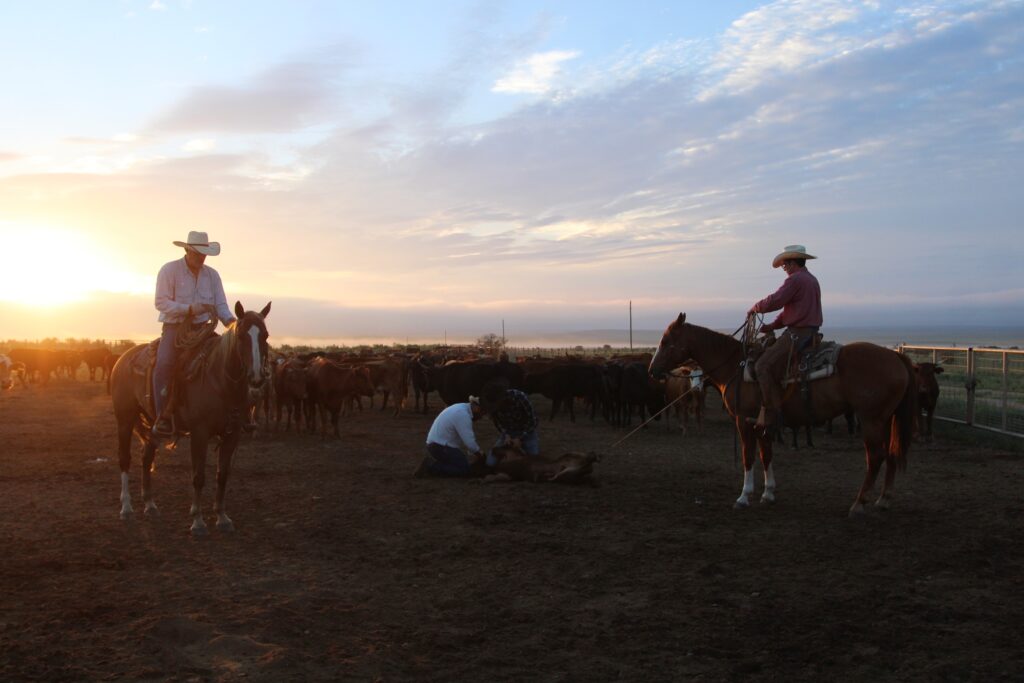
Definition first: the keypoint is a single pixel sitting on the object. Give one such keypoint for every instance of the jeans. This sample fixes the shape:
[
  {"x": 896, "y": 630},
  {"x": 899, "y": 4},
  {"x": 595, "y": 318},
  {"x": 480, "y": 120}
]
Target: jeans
[
  {"x": 772, "y": 366},
  {"x": 165, "y": 357},
  {"x": 448, "y": 461}
]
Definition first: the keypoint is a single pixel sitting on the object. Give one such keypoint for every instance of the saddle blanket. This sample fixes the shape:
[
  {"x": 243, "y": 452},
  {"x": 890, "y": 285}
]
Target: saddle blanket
[{"x": 821, "y": 364}]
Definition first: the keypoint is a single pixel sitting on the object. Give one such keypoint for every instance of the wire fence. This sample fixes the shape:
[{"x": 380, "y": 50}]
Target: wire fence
[{"x": 979, "y": 387}]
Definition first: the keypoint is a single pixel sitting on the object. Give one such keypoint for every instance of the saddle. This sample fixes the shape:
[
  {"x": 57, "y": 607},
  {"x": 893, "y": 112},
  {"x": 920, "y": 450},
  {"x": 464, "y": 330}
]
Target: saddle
[
  {"x": 816, "y": 362},
  {"x": 189, "y": 363}
]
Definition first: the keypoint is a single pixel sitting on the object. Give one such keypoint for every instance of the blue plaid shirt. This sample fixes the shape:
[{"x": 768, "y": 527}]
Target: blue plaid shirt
[{"x": 514, "y": 415}]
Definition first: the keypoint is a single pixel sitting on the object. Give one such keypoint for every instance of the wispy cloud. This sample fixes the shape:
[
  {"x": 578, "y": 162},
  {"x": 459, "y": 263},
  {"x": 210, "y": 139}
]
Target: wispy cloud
[
  {"x": 536, "y": 74},
  {"x": 285, "y": 98}
]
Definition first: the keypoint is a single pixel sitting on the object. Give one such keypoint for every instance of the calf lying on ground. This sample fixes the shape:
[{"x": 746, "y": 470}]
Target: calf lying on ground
[{"x": 514, "y": 465}]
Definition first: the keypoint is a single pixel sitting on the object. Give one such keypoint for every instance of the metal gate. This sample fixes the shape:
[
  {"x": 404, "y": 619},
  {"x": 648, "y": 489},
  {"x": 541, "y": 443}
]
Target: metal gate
[{"x": 979, "y": 387}]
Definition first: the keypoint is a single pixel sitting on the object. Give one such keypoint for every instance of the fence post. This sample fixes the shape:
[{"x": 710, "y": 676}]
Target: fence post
[
  {"x": 1006, "y": 388},
  {"x": 971, "y": 383}
]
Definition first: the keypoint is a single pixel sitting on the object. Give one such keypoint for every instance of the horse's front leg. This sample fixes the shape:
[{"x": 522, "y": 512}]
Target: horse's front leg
[
  {"x": 148, "y": 456},
  {"x": 749, "y": 444},
  {"x": 764, "y": 445},
  {"x": 199, "y": 442},
  {"x": 227, "y": 450}
]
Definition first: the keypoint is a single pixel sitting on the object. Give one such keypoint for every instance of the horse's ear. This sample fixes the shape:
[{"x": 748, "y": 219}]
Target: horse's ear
[
  {"x": 239, "y": 311},
  {"x": 681, "y": 319},
  {"x": 266, "y": 310}
]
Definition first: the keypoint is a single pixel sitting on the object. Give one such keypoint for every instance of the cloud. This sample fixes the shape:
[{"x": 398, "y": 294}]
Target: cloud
[
  {"x": 199, "y": 145},
  {"x": 288, "y": 97},
  {"x": 889, "y": 143},
  {"x": 536, "y": 74},
  {"x": 157, "y": 6}
]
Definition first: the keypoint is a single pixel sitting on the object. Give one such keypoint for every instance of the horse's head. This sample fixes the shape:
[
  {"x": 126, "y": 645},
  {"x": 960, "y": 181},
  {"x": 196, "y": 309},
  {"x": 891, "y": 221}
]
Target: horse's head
[
  {"x": 672, "y": 349},
  {"x": 251, "y": 337}
]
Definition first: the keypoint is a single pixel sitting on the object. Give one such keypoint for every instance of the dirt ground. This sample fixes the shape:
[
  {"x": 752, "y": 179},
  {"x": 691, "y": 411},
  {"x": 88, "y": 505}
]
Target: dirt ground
[{"x": 343, "y": 567}]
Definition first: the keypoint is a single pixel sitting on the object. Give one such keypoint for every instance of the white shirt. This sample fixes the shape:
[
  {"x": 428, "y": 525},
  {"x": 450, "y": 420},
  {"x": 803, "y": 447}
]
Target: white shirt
[
  {"x": 177, "y": 287},
  {"x": 454, "y": 427}
]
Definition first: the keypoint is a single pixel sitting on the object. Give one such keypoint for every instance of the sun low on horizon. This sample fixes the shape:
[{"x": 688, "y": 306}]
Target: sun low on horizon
[{"x": 51, "y": 267}]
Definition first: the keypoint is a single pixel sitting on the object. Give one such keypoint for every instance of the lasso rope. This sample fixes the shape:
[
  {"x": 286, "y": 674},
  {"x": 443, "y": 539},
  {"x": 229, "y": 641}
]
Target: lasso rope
[
  {"x": 190, "y": 335},
  {"x": 749, "y": 323}
]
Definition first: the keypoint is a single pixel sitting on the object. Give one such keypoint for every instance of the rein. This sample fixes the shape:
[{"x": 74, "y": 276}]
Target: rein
[{"x": 746, "y": 324}]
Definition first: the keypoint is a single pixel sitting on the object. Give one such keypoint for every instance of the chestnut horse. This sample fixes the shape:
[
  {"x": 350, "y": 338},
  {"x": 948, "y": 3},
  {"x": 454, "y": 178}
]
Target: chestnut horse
[
  {"x": 211, "y": 403},
  {"x": 878, "y": 384}
]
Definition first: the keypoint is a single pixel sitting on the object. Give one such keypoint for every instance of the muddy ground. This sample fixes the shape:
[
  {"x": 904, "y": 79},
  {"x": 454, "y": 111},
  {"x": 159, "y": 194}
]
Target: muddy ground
[{"x": 343, "y": 567}]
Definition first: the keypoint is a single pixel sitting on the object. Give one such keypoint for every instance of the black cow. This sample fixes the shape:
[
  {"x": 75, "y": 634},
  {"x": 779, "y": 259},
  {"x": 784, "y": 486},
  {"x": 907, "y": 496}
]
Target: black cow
[
  {"x": 457, "y": 381},
  {"x": 96, "y": 359},
  {"x": 419, "y": 373},
  {"x": 638, "y": 392},
  {"x": 562, "y": 382}
]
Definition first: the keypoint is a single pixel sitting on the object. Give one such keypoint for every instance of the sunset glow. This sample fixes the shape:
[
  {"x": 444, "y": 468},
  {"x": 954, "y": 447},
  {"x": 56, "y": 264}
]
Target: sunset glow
[
  {"x": 416, "y": 170},
  {"x": 47, "y": 267}
]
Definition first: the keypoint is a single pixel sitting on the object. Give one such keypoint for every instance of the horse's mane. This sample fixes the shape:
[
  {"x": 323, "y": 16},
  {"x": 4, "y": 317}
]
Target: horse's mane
[
  {"x": 221, "y": 351},
  {"x": 708, "y": 338}
]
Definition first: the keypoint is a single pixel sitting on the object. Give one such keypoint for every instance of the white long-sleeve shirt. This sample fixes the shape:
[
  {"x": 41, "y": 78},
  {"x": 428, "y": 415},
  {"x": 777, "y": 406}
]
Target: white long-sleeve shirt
[
  {"x": 454, "y": 427},
  {"x": 177, "y": 288}
]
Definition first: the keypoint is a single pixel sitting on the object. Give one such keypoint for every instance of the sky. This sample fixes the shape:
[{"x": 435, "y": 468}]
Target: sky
[{"x": 428, "y": 171}]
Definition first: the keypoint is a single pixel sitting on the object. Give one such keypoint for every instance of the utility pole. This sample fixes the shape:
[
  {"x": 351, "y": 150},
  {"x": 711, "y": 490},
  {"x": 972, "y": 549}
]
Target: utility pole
[{"x": 503, "y": 332}]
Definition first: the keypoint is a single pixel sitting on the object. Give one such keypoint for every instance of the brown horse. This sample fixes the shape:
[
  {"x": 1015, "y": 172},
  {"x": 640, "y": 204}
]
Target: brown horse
[
  {"x": 211, "y": 403},
  {"x": 876, "y": 383}
]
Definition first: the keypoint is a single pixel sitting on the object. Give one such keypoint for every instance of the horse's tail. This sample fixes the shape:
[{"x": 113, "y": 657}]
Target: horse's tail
[{"x": 904, "y": 419}]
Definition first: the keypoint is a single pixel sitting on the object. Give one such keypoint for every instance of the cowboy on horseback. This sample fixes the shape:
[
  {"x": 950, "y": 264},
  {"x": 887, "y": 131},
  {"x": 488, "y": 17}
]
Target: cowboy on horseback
[
  {"x": 799, "y": 297},
  {"x": 185, "y": 288}
]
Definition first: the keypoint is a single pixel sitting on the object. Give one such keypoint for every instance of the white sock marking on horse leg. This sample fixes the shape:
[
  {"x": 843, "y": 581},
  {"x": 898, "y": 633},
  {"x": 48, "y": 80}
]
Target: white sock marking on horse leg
[
  {"x": 748, "y": 488},
  {"x": 769, "y": 485},
  {"x": 126, "y": 496}
]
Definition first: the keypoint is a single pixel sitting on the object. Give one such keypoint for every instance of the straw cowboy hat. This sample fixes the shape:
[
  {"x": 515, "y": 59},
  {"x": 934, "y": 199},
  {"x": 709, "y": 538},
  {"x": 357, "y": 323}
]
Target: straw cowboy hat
[
  {"x": 199, "y": 241},
  {"x": 791, "y": 251}
]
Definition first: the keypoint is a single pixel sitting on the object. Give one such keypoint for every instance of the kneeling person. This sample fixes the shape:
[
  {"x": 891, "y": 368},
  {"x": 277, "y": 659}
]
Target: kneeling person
[
  {"x": 450, "y": 438},
  {"x": 515, "y": 419}
]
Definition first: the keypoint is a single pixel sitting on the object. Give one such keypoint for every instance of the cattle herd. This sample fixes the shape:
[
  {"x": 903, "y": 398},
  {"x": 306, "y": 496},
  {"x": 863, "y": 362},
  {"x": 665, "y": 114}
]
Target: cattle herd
[
  {"x": 311, "y": 391},
  {"x": 24, "y": 365}
]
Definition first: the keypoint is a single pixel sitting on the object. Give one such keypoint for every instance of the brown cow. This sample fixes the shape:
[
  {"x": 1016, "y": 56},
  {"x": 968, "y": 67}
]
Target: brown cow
[
  {"x": 928, "y": 395},
  {"x": 514, "y": 465},
  {"x": 290, "y": 390},
  {"x": 684, "y": 390},
  {"x": 41, "y": 361},
  {"x": 390, "y": 376},
  {"x": 335, "y": 385}
]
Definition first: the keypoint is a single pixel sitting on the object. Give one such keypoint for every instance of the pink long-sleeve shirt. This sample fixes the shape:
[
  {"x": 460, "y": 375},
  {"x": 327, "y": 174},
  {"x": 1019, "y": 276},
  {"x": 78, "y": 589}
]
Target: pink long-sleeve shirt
[{"x": 799, "y": 297}]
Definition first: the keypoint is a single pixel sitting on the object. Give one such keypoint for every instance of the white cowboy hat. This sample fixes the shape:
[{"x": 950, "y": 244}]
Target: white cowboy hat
[
  {"x": 199, "y": 241},
  {"x": 791, "y": 251}
]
